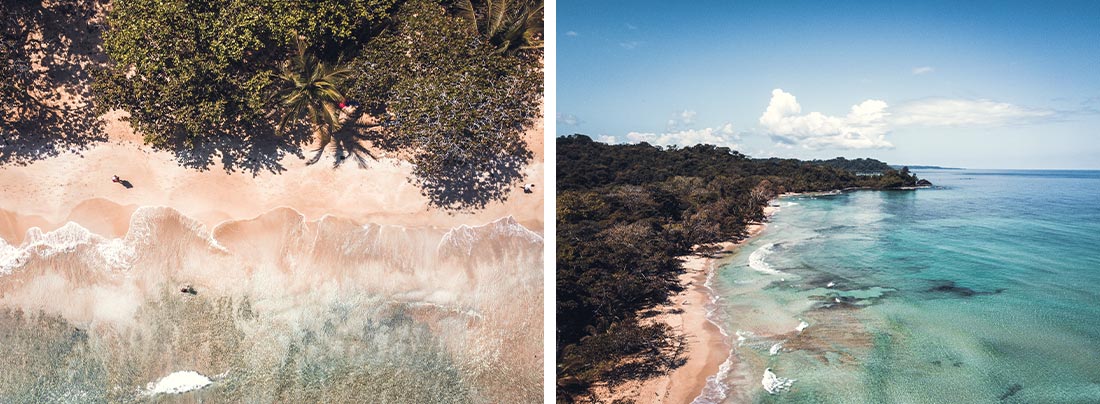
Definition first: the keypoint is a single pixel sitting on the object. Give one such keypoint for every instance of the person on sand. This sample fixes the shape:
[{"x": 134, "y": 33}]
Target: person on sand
[
  {"x": 189, "y": 290},
  {"x": 528, "y": 188},
  {"x": 115, "y": 179}
]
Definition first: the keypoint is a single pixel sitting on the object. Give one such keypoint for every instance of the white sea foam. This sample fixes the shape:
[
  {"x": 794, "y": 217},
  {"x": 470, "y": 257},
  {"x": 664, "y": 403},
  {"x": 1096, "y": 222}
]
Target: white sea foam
[
  {"x": 65, "y": 239},
  {"x": 715, "y": 390},
  {"x": 464, "y": 238},
  {"x": 11, "y": 257},
  {"x": 178, "y": 382},
  {"x": 790, "y": 204},
  {"x": 831, "y": 284},
  {"x": 775, "y": 348},
  {"x": 117, "y": 253},
  {"x": 743, "y": 336},
  {"x": 756, "y": 260},
  {"x": 802, "y": 324},
  {"x": 775, "y": 384}
]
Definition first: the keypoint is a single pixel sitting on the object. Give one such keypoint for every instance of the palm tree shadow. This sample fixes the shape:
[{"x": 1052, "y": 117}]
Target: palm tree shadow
[
  {"x": 350, "y": 141},
  {"x": 467, "y": 184}
]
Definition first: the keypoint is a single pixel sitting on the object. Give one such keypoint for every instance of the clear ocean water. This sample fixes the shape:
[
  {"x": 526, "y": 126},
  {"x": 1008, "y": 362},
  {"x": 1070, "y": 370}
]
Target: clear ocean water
[{"x": 983, "y": 289}]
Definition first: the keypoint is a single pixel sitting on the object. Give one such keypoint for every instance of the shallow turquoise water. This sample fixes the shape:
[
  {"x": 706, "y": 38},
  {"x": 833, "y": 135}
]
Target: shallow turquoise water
[{"x": 985, "y": 288}]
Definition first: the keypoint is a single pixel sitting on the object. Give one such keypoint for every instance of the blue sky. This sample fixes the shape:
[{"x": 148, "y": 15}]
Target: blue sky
[{"x": 966, "y": 84}]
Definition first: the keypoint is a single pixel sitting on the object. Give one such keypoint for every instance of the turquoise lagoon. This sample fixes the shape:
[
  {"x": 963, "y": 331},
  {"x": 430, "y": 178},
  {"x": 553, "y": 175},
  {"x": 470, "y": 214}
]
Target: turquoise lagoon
[{"x": 982, "y": 289}]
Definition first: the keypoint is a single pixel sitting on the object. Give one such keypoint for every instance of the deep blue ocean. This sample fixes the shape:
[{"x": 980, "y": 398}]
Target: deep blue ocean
[{"x": 982, "y": 289}]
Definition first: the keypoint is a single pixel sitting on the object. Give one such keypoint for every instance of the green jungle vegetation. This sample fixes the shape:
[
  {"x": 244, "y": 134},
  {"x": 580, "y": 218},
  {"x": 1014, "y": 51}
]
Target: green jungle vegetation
[
  {"x": 448, "y": 85},
  {"x": 624, "y": 215}
]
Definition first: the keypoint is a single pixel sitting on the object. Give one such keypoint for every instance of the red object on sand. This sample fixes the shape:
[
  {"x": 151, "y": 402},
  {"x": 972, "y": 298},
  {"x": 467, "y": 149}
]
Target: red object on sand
[{"x": 115, "y": 179}]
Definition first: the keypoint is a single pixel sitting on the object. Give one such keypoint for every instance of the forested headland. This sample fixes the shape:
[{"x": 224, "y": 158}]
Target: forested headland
[{"x": 626, "y": 212}]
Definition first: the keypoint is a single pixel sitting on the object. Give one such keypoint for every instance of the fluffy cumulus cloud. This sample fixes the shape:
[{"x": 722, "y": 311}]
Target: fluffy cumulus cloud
[
  {"x": 868, "y": 123},
  {"x": 719, "y": 136},
  {"x": 864, "y": 126}
]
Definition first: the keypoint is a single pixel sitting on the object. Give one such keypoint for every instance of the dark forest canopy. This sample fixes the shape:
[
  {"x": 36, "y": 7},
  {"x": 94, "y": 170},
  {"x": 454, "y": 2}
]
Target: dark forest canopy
[
  {"x": 624, "y": 215},
  {"x": 860, "y": 165}
]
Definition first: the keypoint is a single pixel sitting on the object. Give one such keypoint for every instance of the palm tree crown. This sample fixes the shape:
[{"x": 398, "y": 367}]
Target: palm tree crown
[
  {"x": 510, "y": 26},
  {"x": 311, "y": 90}
]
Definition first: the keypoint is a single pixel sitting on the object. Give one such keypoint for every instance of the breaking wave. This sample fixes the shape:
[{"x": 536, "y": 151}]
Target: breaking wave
[
  {"x": 758, "y": 257},
  {"x": 281, "y": 304}
]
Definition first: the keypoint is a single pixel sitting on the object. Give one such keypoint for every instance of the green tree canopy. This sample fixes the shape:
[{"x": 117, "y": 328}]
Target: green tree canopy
[
  {"x": 453, "y": 104},
  {"x": 196, "y": 76}
]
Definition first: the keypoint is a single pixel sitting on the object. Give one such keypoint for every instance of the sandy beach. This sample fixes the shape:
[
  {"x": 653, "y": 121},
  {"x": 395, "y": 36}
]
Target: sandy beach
[
  {"x": 707, "y": 347},
  {"x": 286, "y": 253},
  {"x": 294, "y": 283},
  {"x": 77, "y": 187}
]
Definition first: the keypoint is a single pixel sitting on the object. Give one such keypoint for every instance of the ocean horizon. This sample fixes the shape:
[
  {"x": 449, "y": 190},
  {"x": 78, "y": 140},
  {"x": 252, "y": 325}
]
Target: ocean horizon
[{"x": 978, "y": 289}]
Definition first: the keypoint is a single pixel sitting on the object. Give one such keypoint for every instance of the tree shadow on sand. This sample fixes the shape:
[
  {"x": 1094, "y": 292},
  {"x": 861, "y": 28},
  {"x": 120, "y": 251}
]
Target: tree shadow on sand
[
  {"x": 461, "y": 185},
  {"x": 45, "y": 54},
  {"x": 358, "y": 138},
  {"x": 473, "y": 183},
  {"x": 253, "y": 151}
]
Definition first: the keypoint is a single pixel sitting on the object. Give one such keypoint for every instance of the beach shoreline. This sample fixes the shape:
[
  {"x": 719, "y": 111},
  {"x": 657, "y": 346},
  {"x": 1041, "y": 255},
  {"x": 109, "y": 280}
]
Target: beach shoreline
[
  {"x": 688, "y": 312},
  {"x": 77, "y": 187}
]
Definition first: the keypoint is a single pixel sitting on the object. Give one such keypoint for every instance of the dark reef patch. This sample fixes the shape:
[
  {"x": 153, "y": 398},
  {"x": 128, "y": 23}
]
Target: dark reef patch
[
  {"x": 1012, "y": 390},
  {"x": 949, "y": 287}
]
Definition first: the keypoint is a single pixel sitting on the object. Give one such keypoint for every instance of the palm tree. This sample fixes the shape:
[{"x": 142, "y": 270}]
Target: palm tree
[
  {"x": 509, "y": 26},
  {"x": 311, "y": 91}
]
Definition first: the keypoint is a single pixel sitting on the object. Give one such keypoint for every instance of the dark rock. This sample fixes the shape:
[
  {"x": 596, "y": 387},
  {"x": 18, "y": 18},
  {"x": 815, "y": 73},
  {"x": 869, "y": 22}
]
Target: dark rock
[
  {"x": 924, "y": 183},
  {"x": 1012, "y": 390}
]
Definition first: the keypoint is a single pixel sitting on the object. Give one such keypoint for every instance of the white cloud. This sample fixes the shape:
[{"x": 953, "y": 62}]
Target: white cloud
[
  {"x": 607, "y": 139},
  {"x": 683, "y": 119},
  {"x": 631, "y": 26},
  {"x": 867, "y": 123},
  {"x": 567, "y": 119},
  {"x": 687, "y": 117},
  {"x": 719, "y": 136},
  {"x": 863, "y": 128},
  {"x": 571, "y": 33},
  {"x": 962, "y": 112},
  {"x": 630, "y": 45},
  {"x": 923, "y": 70}
]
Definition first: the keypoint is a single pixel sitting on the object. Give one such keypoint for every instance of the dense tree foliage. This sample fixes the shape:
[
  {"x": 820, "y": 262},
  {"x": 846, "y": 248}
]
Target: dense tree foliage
[
  {"x": 197, "y": 77},
  {"x": 226, "y": 80},
  {"x": 624, "y": 215},
  {"x": 860, "y": 165},
  {"x": 455, "y": 105}
]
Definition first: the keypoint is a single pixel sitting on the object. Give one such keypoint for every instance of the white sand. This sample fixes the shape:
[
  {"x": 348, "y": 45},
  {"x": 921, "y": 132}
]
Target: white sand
[{"x": 179, "y": 382}]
